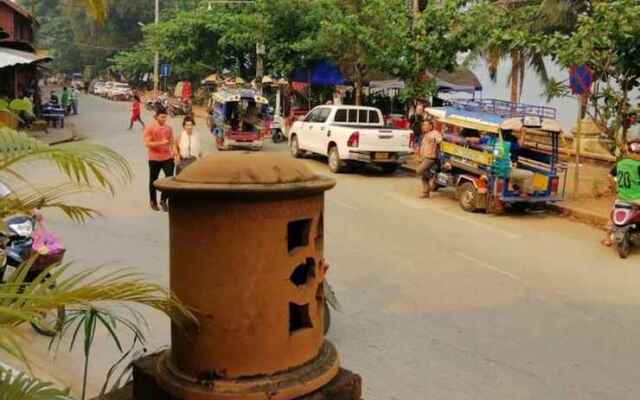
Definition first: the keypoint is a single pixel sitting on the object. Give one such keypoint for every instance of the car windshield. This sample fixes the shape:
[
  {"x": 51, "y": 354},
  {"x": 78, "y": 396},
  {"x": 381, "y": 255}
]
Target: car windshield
[{"x": 122, "y": 86}]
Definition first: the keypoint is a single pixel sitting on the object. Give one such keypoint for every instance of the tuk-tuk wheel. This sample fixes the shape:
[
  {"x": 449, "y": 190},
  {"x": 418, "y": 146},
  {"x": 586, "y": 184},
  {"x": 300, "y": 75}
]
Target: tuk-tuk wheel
[{"x": 468, "y": 197}]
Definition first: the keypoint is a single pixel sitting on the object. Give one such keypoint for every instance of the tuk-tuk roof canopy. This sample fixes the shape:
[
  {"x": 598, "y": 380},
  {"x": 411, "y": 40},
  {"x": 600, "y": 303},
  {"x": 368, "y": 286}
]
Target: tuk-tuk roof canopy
[
  {"x": 231, "y": 95},
  {"x": 492, "y": 115}
]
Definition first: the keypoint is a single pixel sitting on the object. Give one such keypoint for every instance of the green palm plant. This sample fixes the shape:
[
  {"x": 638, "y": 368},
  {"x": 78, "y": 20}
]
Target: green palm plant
[
  {"x": 24, "y": 387},
  {"x": 90, "y": 296}
]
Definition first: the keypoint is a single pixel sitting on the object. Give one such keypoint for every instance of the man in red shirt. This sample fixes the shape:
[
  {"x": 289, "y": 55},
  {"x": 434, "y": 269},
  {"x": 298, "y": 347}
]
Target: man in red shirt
[{"x": 158, "y": 138}]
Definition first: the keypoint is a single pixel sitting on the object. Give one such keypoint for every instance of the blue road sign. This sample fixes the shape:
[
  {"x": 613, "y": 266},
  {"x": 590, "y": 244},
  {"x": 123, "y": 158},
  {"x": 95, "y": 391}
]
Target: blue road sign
[
  {"x": 165, "y": 70},
  {"x": 580, "y": 79}
]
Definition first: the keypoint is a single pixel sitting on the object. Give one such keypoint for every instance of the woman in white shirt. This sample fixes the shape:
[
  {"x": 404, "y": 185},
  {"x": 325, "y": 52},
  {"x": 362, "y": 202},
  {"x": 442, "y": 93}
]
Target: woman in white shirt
[{"x": 187, "y": 146}]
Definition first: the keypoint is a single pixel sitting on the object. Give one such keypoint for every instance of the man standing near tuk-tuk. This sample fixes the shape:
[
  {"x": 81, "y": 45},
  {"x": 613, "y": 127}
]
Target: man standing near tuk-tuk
[{"x": 428, "y": 155}]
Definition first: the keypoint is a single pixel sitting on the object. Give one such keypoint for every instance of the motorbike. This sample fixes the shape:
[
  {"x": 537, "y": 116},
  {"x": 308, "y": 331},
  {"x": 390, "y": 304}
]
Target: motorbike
[
  {"x": 179, "y": 107},
  {"x": 17, "y": 242},
  {"x": 626, "y": 227},
  {"x": 161, "y": 102}
]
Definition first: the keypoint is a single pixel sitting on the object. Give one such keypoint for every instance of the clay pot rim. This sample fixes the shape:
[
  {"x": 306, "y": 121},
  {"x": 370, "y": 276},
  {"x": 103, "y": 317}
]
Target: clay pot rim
[{"x": 318, "y": 184}]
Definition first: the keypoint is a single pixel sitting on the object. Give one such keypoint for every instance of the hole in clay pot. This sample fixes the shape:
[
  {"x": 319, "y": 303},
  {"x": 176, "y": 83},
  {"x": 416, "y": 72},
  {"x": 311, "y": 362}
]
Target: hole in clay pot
[
  {"x": 298, "y": 234},
  {"x": 304, "y": 273},
  {"x": 299, "y": 318},
  {"x": 320, "y": 234}
]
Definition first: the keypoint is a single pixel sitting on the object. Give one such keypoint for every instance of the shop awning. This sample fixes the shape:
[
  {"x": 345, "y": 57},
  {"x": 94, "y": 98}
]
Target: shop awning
[{"x": 11, "y": 57}]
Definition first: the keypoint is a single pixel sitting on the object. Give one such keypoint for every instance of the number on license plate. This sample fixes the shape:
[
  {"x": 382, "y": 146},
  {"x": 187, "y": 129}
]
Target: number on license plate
[{"x": 382, "y": 156}]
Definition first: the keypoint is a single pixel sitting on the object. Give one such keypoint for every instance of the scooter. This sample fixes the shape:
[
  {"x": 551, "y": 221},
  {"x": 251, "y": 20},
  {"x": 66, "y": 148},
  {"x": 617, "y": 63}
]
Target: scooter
[
  {"x": 17, "y": 248},
  {"x": 626, "y": 227},
  {"x": 155, "y": 105}
]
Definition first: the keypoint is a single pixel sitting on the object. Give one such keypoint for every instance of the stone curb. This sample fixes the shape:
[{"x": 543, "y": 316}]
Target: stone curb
[{"x": 585, "y": 217}]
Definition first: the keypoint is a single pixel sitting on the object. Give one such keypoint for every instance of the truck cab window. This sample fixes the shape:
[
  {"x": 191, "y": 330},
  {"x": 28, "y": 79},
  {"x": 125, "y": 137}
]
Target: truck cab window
[
  {"x": 312, "y": 116},
  {"x": 323, "y": 115},
  {"x": 353, "y": 116},
  {"x": 374, "y": 118},
  {"x": 364, "y": 116},
  {"x": 341, "y": 115}
]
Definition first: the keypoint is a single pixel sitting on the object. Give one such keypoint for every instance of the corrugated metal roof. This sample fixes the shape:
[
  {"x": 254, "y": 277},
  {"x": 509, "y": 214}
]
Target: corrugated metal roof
[
  {"x": 11, "y": 57},
  {"x": 18, "y": 8}
]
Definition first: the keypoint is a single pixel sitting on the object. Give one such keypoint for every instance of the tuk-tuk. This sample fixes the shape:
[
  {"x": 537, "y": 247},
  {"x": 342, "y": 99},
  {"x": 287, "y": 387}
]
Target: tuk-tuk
[
  {"x": 238, "y": 117},
  {"x": 482, "y": 157}
]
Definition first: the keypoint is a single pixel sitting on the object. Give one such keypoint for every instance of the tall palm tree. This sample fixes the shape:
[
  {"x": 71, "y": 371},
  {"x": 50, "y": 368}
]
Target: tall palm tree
[{"x": 511, "y": 15}]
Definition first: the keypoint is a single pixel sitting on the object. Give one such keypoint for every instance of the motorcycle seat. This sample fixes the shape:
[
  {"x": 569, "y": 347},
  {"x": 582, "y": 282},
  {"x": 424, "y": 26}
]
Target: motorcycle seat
[{"x": 626, "y": 204}]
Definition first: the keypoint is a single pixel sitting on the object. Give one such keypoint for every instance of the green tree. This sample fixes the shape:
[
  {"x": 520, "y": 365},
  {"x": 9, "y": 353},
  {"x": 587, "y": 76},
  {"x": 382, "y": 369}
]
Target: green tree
[
  {"x": 365, "y": 36},
  {"x": 518, "y": 35},
  {"x": 606, "y": 40},
  {"x": 440, "y": 35}
]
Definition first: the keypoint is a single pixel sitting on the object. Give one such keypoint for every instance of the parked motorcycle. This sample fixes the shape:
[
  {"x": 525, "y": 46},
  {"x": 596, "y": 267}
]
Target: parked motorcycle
[
  {"x": 179, "y": 107},
  {"x": 156, "y": 104},
  {"x": 17, "y": 246},
  {"x": 626, "y": 227}
]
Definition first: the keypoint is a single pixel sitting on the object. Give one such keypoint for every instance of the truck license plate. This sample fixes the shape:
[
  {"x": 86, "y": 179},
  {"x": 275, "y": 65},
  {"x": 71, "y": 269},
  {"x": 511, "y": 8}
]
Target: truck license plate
[{"x": 381, "y": 156}]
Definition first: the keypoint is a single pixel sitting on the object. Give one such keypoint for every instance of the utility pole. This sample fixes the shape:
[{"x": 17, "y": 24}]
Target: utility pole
[
  {"x": 156, "y": 62},
  {"x": 582, "y": 104}
]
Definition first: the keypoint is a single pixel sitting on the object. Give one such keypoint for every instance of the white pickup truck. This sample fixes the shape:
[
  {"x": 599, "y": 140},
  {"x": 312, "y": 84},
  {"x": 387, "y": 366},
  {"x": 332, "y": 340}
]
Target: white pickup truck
[{"x": 350, "y": 134}]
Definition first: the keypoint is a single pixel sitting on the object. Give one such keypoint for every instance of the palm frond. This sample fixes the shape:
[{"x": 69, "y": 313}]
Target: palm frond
[
  {"x": 90, "y": 287},
  {"x": 20, "y": 386},
  {"x": 536, "y": 62},
  {"x": 27, "y": 199},
  {"x": 10, "y": 345},
  {"x": 82, "y": 163}
]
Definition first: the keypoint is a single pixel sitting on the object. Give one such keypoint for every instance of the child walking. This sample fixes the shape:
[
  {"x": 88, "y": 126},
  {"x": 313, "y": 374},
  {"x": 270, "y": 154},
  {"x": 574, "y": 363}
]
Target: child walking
[{"x": 135, "y": 112}]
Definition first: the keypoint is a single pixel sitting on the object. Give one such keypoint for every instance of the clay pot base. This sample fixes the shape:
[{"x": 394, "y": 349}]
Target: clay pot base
[{"x": 288, "y": 385}]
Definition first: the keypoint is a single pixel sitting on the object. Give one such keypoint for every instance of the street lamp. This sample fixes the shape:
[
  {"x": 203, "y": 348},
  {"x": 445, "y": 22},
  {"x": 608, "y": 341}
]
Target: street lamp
[{"x": 156, "y": 61}]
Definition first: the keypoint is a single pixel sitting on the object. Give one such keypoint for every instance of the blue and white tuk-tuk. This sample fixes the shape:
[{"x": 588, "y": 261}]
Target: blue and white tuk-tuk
[{"x": 479, "y": 158}]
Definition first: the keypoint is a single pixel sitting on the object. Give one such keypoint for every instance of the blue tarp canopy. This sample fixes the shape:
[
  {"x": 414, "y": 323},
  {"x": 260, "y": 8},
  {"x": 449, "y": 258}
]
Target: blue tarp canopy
[{"x": 323, "y": 73}]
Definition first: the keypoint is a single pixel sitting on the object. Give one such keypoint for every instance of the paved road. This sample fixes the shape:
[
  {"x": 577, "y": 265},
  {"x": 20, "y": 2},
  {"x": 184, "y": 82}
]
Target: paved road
[{"x": 438, "y": 303}]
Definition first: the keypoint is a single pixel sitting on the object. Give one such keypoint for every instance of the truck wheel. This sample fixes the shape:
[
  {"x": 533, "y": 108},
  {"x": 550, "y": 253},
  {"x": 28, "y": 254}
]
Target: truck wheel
[
  {"x": 624, "y": 246},
  {"x": 294, "y": 147},
  {"x": 468, "y": 197},
  {"x": 336, "y": 165},
  {"x": 389, "y": 168}
]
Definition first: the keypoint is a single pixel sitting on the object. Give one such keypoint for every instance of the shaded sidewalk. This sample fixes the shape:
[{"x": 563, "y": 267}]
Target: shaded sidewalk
[{"x": 56, "y": 135}]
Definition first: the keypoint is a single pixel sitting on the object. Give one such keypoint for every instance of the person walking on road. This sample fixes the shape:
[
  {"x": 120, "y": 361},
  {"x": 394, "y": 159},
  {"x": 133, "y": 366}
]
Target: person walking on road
[
  {"x": 428, "y": 154},
  {"x": 158, "y": 138},
  {"x": 187, "y": 146},
  {"x": 136, "y": 109}
]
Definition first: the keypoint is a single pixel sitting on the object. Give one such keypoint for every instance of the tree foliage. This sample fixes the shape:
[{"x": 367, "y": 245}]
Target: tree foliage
[{"x": 607, "y": 40}]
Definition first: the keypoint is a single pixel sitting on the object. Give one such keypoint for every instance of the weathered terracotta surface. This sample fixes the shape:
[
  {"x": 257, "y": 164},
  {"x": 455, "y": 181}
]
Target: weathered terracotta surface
[
  {"x": 246, "y": 253},
  {"x": 345, "y": 386}
]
